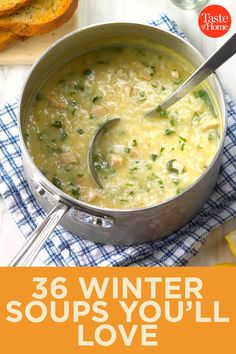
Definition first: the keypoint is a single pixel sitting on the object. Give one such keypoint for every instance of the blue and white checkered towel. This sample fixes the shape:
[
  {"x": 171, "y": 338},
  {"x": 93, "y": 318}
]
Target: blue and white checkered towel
[{"x": 64, "y": 249}]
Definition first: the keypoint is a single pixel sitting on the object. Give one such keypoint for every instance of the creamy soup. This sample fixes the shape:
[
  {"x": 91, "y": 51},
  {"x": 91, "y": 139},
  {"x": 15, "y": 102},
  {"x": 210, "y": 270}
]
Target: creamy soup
[{"x": 140, "y": 160}]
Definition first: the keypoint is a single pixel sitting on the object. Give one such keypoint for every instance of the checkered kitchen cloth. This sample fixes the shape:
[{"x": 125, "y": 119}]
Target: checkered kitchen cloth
[{"x": 64, "y": 249}]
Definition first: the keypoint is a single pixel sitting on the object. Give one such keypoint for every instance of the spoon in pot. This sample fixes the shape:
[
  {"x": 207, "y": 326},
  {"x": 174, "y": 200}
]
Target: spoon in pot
[
  {"x": 92, "y": 147},
  {"x": 205, "y": 70}
]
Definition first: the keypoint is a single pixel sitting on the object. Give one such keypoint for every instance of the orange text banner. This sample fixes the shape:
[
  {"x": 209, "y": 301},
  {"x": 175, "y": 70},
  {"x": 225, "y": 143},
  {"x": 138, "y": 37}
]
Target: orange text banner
[{"x": 111, "y": 310}]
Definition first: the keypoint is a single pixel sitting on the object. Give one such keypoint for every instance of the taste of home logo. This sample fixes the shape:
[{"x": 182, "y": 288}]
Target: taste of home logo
[{"x": 214, "y": 21}]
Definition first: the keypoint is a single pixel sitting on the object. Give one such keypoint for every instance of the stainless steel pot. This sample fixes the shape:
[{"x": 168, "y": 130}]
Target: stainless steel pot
[{"x": 109, "y": 226}]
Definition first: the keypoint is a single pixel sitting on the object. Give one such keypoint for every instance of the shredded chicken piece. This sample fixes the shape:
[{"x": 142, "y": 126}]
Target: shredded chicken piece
[
  {"x": 143, "y": 75},
  {"x": 178, "y": 166},
  {"x": 57, "y": 102},
  {"x": 175, "y": 74},
  {"x": 138, "y": 65},
  {"x": 129, "y": 91},
  {"x": 116, "y": 160},
  {"x": 212, "y": 124},
  {"x": 69, "y": 157},
  {"x": 141, "y": 71},
  {"x": 121, "y": 74},
  {"x": 98, "y": 111},
  {"x": 92, "y": 195},
  {"x": 135, "y": 151}
]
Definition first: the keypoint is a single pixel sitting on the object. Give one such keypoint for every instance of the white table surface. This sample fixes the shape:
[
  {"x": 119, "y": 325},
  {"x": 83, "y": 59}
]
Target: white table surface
[{"x": 215, "y": 250}]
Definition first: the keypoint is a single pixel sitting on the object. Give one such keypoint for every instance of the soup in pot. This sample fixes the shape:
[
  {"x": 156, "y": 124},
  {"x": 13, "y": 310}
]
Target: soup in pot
[{"x": 141, "y": 161}]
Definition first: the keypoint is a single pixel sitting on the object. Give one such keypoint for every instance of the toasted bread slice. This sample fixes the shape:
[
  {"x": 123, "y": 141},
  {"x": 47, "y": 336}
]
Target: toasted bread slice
[
  {"x": 41, "y": 16},
  {"x": 7, "y": 7},
  {"x": 6, "y": 38}
]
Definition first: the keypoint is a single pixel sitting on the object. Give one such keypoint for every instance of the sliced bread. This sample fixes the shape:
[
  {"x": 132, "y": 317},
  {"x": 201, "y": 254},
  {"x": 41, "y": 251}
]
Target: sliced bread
[
  {"x": 41, "y": 16},
  {"x": 7, "y": 7},
  {"x": 6, "y": 38}
]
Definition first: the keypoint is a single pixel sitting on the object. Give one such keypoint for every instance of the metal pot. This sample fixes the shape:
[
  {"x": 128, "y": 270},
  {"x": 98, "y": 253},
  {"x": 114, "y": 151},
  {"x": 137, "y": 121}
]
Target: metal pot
[{"x": 104, "y": 225}]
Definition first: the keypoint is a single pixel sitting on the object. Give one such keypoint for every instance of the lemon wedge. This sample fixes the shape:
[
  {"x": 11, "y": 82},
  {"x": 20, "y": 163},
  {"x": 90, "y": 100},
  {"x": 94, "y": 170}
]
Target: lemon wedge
[{"x": 231, "y": 239}]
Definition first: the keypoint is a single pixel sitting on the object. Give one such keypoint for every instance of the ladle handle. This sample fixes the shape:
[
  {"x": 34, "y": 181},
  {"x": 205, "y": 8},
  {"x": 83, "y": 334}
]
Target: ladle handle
[
  {"x": 33, "y": 245},
  {"x": 223, "y": 54},
  {"x": 206, "y": 69}
]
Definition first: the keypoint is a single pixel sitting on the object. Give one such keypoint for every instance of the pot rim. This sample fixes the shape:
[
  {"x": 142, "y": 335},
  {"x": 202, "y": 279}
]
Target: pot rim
[{"x": 69, "y": 200}]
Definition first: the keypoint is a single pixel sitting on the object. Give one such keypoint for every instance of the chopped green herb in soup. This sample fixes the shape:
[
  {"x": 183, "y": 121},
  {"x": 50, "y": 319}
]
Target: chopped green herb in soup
[{"x": 140, "y": 160}]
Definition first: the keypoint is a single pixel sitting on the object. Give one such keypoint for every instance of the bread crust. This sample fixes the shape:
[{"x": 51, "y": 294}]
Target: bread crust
[
  {"x": 32, "y": 29},
  {"x": 11, "y": 10},
  {"x": 6, "y": 38}
]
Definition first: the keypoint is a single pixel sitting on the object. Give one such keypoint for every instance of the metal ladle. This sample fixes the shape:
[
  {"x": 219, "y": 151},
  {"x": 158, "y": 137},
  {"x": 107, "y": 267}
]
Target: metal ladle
[{"x": 92, "y": 147}]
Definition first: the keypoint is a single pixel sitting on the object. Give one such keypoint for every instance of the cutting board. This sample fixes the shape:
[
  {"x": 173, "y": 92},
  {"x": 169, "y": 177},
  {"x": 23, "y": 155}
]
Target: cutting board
[{"x": 26, "y": 52}]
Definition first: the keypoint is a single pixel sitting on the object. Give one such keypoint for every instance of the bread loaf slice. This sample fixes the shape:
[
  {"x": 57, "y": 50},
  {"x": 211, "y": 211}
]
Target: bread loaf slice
[
  {"x": 7, "y": 7},
  {"x": 6, "y": 38},
  {"x": 41, "y": 16}
]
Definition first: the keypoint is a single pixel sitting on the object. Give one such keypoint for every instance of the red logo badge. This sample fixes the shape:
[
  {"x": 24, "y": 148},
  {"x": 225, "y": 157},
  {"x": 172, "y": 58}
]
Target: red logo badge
[{"x": 214, "y": 21}]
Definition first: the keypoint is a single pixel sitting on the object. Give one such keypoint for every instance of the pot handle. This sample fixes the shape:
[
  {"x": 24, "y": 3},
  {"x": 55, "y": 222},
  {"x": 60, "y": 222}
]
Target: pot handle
[{"x": 33, "y": 245}]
